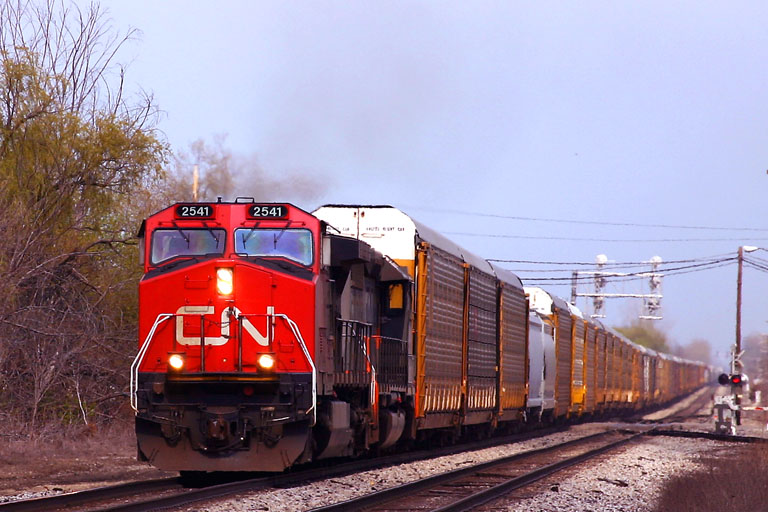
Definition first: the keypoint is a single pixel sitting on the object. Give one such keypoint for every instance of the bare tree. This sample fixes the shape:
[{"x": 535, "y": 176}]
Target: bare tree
[
  {"x": 74, "y": 151},
  {"x": 225, "y": 174},
  {"x": 644, "y": 332},
  {"x": 697, "y": 350}
]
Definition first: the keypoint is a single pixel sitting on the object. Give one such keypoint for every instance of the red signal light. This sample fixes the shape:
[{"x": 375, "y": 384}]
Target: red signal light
[{"x": 736, "y": 380}]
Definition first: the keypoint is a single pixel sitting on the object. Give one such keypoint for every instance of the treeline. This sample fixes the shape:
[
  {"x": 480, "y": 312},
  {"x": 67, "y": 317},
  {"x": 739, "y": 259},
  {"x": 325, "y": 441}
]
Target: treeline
[
  {"x": 81, "y": 164},
  {"x": 647, "y": 334},
  {"x": 78, "y": 161}
]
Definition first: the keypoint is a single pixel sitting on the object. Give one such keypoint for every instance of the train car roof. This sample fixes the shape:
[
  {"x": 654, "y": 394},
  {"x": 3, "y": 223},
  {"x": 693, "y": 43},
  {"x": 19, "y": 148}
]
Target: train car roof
[
  {"x": 543, "y": 301},
  {"x": 615, "y": 332},
  {"x": 596, "y": 322},
  {"x": 422, "y": 232},
  {"x": 507, "y": 276},
  {"x": 560, "y": 303},
  {"x": 650, "y": 351},
  {"x": 575, "y": 311},
  {"x": 428, "y": 234},
  {"x": 644, "y": 349}
]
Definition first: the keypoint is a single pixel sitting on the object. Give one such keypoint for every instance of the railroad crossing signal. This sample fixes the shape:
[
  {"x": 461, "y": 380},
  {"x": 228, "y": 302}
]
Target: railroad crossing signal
[
  {"x": 729, "y": 407},
  {"x": 735, "y": 379}
]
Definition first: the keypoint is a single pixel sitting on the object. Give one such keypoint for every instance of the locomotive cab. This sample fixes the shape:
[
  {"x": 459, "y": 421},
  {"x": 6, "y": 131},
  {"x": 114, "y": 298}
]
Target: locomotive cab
[{"x": 224, "y": 379}]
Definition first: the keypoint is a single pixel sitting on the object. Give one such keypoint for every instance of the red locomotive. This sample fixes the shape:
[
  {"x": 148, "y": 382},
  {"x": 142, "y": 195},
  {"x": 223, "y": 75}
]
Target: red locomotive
[
  {"x": 243, "y": 365},
  {"x": 270, "y": 336}
]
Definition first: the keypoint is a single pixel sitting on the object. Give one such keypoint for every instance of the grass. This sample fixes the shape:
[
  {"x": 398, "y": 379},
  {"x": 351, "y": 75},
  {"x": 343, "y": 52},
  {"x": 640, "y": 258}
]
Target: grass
[
  {"x": 736, "y": 480},
  {"x": 732, "y": 478},
  {"x": 67, "y": 456}
]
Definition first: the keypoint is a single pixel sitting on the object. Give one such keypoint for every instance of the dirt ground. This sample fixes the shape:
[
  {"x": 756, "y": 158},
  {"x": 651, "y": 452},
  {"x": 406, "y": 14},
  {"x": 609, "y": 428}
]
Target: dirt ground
[{"x": 78, "y": 461}]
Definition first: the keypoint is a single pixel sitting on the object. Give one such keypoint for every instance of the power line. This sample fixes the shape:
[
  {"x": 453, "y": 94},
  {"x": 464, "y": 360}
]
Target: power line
[
  {"x": 630, "y": 276},
  {"x": 756, "y": 258},
  {"x": 609, "y": 240},
  {"x": 612, "y": 264},
  {"x": 756, "y": 266},
  {"x": 642, "y": 274},
  {"x": 571, "y": 221}
]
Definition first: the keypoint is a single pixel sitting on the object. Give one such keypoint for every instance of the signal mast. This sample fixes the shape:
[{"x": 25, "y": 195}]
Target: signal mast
[{"x": 651, "y": 300}]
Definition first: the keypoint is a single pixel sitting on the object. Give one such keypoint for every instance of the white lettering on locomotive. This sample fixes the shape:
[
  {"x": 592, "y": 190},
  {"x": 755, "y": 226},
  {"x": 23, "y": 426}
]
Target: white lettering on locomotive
[{"x": 194, "y": 312}]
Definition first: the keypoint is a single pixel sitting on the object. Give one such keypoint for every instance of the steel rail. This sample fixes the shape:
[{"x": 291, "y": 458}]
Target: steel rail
[
  {"x": 191, "y": 496},
  {"x": 290, "y": 479},
  {"x": 500, "y": 490},
  {"x": 280, "y": 480},
  {"x": 708, "y": 435},
  {"x": 89, "y": 495},
  {"x": 408, "y": 489}
]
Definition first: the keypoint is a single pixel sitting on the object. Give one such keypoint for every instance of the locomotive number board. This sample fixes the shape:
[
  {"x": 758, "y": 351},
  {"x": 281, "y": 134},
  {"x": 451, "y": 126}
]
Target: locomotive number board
[
  {"x": 267, "y": 211},
  {"x": 194, "y": 211}
]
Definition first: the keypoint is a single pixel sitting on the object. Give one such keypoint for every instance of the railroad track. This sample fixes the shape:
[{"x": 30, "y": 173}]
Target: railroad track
[
  {"x": 467, "y": 488},
  {"x": 133, "y": 496},
  {"x": 170, "y": 492},
  {"x": 89, "y": 496},
  {"x": 695, "y": 408}
]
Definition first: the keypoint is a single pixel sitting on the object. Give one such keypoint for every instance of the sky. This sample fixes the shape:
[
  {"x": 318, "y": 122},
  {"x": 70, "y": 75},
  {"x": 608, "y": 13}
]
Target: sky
[{"x": 527, "y": 131}]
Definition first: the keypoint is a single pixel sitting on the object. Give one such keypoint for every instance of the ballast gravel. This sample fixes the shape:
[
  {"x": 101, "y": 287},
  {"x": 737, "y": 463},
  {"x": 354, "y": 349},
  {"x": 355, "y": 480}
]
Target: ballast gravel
[{"x": 628, "y": 480}]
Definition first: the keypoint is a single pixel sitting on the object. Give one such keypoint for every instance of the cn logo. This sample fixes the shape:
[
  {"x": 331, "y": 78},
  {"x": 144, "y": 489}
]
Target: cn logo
[{"x": 194, "y": 312}]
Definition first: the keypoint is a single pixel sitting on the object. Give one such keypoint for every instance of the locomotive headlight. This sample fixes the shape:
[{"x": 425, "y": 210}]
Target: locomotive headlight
[
  {"x": 224, "y": 281},
  {"x": 266, "y": 361},
  {"x": 176, "y": 361}
]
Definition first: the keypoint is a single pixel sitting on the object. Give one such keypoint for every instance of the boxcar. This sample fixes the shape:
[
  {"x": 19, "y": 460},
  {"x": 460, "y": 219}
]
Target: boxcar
[
  {"x": 542, "y": 363},
  {"x": 578, "y": 356},
  {"x": 470, "y": 319}
]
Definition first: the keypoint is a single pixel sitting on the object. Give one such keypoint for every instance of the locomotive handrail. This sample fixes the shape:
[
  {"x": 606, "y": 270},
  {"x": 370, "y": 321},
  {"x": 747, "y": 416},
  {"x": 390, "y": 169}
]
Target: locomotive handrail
[
  {"x": 361, "y": 341},
  {"x": 297, "y": 334},
  {"x": 162, "y": 317},
  {"x": 134, "y": 382},
  {"x": 374, "y": 401}
]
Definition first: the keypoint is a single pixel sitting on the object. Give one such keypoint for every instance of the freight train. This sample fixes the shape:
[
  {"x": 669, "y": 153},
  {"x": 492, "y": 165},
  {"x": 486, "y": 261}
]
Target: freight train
[{"x": 270, "y": 336}]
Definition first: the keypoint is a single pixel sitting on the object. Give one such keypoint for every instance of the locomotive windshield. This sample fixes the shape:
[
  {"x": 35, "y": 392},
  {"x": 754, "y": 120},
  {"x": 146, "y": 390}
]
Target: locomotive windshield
[
  {"x": 172, "y": 243},
  {"x": 292, "y": 244}
]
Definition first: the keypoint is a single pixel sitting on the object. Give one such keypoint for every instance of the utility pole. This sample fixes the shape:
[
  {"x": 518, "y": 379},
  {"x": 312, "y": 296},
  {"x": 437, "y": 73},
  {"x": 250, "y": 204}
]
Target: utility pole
[
  {"x": 737, "y": 367},
  {"x": 740, "y": 260}
]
